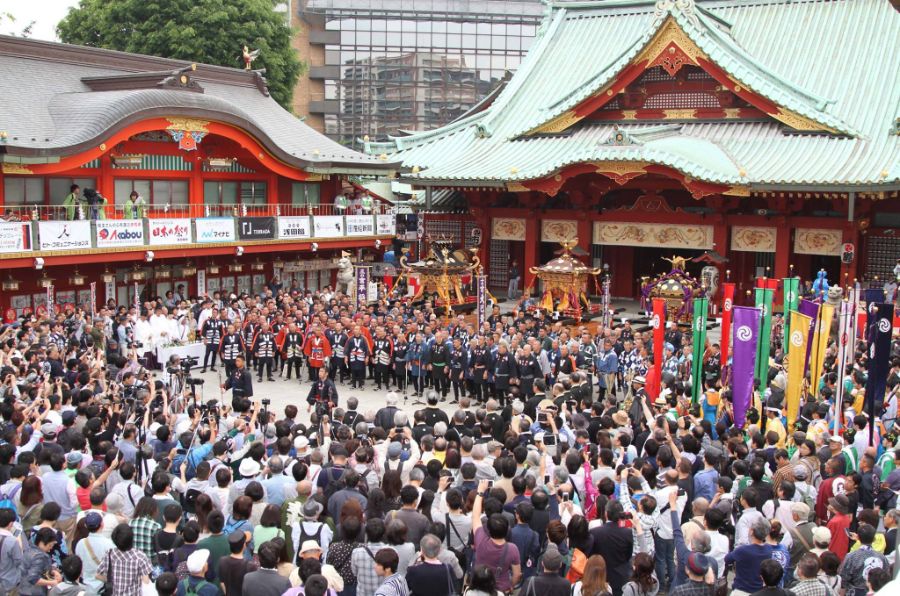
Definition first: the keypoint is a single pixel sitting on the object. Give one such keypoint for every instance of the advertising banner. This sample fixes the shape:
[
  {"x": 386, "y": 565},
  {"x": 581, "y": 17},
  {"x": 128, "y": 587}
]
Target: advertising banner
[
  {"x": 328, "y": 226},
  {"x": 256, "y": 228},
  {"x": 121, "y": 232},
  {"x": 170, "y": 231},
  {"x": 290, "y": 228},
  {"x": 15, "y": 236},
  {"x": 215, "y": 229},
  {"x": 386, "y": 225},
  {"x": 360, "y": 225},
  {"x": 64, "y": 235}
]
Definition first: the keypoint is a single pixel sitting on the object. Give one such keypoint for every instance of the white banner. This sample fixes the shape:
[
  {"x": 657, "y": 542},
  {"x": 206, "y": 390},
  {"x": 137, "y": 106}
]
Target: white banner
[
  {"x": 293, "y": 227},
  {"x": 64, "y": 235},
  {"x": 110, "y": 293},
  {"x": 15, "y": 236},
  {"x": 360, "y": 225},
  {"x": 215, "y": 229},
  {"x": 201, "y": 282},
  {"x": 170, "y": 231},
  {"x": 122, "y": 232},
  {"x": 386, "y": 225},
  {"x": 328, "y": 226}
]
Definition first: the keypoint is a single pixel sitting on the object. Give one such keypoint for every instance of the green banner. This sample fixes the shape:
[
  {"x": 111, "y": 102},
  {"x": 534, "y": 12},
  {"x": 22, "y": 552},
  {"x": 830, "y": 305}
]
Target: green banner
[
  {"x": 764, "y": 302},
  {"x": 791, "y": 288},
  {"x": 701, "y": 309}
]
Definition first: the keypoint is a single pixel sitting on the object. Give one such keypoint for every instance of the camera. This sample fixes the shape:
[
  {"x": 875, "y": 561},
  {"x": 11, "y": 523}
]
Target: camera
[
  {"x": 266, "y": 402},
  {"x": 135, "y": 344},
  {"x": 189, "y": 361}
]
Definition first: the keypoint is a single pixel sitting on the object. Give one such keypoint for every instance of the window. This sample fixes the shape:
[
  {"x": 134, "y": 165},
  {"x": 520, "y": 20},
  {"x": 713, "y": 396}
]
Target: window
[
  {"x": 253, "y": 193},
  {"x": 123, "y": 188},
  {"x": 157, "y": 193},
  {"x": 304, "y": 193},
  {"x": 59, "y": 187},
  {"x": 219, "y": 193},
  {"x": 24, "y": 191}
]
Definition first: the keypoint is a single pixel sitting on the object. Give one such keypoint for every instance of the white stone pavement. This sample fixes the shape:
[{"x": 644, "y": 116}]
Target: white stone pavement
[{"x": 283, "y": 392}]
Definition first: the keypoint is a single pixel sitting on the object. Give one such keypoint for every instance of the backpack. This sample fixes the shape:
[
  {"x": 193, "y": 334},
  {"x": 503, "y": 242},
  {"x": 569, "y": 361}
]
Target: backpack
[
  {"x": 179, "y": 458},
  {"x": 304, "y": 537},
  {"x": 363, "y": 485},
  {"x": 576, "y": 568},
  {"x": 334, "y": 484},
  {"x": 189, "y": 500},
  {"x": 189, "y": 591},
  {"x": 810, "y": 502},
  {"x": 6, "y": 499}
]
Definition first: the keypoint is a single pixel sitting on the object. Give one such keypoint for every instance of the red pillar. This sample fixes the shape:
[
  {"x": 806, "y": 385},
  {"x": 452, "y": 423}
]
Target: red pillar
[
  {"x": 782, "y": 256},
  {"x": 195, "y": 192},
  {"x": 106, "y": 184},
  {"x": 532, "y": 245},
  {"x": 585, "y": 237}
]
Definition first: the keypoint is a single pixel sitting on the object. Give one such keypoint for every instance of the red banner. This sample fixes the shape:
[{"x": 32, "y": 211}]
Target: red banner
[
  {"x": 658, "y": 323},
  {"x": 727, "y": 306}
]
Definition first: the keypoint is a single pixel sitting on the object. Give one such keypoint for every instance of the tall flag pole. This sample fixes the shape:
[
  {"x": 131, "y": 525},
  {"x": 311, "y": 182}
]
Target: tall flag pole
[
  {"x": 795, "y": 364},
  {"x": 791, "y": 288},
  {"x": 727, "y": 306},
  {"x": 820, "y": 343},
  {"x": 845, "y": 339},
  {"x": 658, "y": 322},
  {"x": 745, "y": 341},
  {"x": 701, "y": 306},
  {"x": 881, "y": 318}
]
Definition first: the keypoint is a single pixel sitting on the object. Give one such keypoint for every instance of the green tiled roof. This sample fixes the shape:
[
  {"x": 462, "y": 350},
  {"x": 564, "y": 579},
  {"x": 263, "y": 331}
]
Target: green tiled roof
[{"x": 833, "y": 62}]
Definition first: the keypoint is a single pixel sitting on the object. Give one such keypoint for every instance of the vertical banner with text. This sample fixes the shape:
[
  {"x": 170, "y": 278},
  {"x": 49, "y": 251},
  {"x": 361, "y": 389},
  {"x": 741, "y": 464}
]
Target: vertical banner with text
[
  {"x": 658, "y": 323},
  {"x": 362, "y": 286},
  {"x": 482, "y": 300},
  {"x": 791, "y": 290},
  {"x": 93, "y": 298},
  {"x": 50, "y": 306},
  {"x": 795, "y": 363},
  {"x": 881, "y": 321}
]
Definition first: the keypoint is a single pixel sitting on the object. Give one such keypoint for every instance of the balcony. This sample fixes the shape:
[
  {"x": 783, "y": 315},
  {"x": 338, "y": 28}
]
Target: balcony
[{"x": 28, "y": 231}]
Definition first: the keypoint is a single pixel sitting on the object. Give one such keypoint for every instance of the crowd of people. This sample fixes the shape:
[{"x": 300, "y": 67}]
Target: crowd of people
[{"x": 541, "y": 464}]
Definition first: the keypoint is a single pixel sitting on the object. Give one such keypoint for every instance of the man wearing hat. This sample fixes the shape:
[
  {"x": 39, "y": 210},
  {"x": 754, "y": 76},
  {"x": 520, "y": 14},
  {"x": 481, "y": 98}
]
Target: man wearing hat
[
  {"x": 639, "y": 398},
  {"x": 234, "y": 567},
  {"x": 697, "y": 567},
  {"x": 773, "y": 422},
  {"x": 310, "y": 529},
  {"x": 838, "y": 524},
  {"x": 549, "y": 582},
  {"x": 195, "y": 583},
  {"x": 48, "y": 439}
]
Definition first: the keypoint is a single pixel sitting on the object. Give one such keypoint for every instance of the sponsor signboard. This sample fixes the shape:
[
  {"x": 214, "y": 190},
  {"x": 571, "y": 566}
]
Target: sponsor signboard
[
  {"x": 328, "y": 226},
  {"x": 386, "y": 225},
  {"x": 360, "y": 225},
  {"x": 122, "y": 232},
  {"x": 215, "y": 229},
  {"x": 170, "y": 231},
  {"x": 256, "y": 228},
  {"x": 64, "y": 235},
  {"x": 290, "y": 228},
  {"x": 15, "y": 236}
]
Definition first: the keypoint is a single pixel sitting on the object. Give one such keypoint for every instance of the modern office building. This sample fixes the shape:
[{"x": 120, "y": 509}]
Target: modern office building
[{"x": 378, "y": 67}]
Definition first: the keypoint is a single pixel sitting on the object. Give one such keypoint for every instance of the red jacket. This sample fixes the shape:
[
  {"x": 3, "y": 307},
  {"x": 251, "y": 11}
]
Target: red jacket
[{"x": 317, "y": 349}]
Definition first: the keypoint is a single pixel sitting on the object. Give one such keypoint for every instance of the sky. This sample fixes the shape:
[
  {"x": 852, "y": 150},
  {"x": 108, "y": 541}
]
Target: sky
[{"x": 45, "y": 14}]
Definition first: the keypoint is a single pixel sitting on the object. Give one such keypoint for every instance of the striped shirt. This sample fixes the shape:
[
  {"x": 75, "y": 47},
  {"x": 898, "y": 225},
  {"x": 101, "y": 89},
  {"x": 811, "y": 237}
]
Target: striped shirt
[{"x": 394, "y": 585}]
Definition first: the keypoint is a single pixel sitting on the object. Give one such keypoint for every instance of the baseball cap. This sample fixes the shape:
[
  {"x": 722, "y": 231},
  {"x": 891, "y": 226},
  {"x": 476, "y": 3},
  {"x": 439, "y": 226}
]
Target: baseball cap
[
  {"x": 698, "y": 563},
  {"x": 236, "y": 537},
  {"x": 48, "y": 429},
  {"x": 197, "y": 560},
  {"x": 394, "y": 450},
  {"x": 93, "y": 521},
  {"x": 301, "y": 442},
  {"x": 309, "y": 545}
]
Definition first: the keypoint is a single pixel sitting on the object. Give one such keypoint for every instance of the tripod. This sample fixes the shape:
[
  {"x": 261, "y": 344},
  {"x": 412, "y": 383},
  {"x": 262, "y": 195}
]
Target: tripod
[{"x": 417, "y": 395}]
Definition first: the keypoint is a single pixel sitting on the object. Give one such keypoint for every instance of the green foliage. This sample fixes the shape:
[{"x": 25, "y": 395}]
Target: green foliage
[{"x": 209, "y": 31}]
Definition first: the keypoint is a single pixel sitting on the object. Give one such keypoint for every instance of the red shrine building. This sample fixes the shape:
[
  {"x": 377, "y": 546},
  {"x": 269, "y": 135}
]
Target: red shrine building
[
  {"x": 234, "y": 188},
  {"x": 764, "y": 132}
]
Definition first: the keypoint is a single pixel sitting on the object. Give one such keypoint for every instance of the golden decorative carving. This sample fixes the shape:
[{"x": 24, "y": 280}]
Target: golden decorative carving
[
  {"x": 738, "y": 191},
  {"x": 670, "y": 33},
  {"x": 102, "y": 147},
  {"x": 629, "y": 114},
  {"x": 798, "y": 122},
  {"x": 558, "y": 124},
  {"x": 621, "y": 171},
  {"x": 817, "y": 241},
  {"x": 188, "y": 125},
  {"x": 558, "y": 230},
  {"x": 682, "y": 114},
  {"x": 508, "y": 228},
  {"x": 16, "y": 168},
  {"x": 516, "y": 187},
  {"x": 753, "y": 238},
  {"x": 656, "y": 235},
  {"x": 732, "y": 113}
]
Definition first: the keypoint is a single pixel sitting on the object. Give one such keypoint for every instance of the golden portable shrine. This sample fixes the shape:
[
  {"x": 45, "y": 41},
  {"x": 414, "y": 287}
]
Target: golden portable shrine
[
  {"x": 443, "y": 272},
  {"x": 677, "y": 287},
  {"x": 565, "y": 280}
]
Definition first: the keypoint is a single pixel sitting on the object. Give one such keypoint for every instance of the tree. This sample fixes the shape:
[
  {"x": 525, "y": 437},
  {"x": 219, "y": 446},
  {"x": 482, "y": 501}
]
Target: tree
[{"x": 208, "y": 31}]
